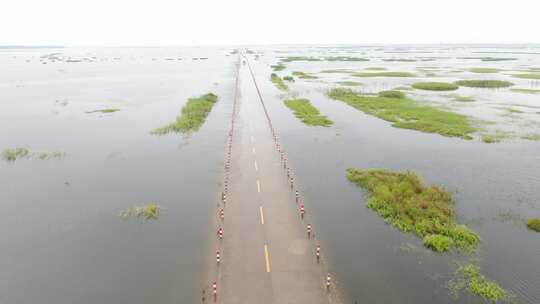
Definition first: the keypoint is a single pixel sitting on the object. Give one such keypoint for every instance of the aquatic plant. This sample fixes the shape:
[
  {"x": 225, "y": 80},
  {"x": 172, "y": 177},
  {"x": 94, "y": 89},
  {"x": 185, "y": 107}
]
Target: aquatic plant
[
  {"x": 437, "y": 242},
  {"x": 111, "y": 110},
  {"x": 50, "y": 155},
  {"x": 484, "y": 83},
  {"x": 299, "y": 58},
  {"x": 307, "y": 113},
  {"x": 435, "y": 86},
  {"x": 350, "y": 83},
  {"x": 470, "y": 278},
  {"x": 484, "y": 70},
  {"x": 278, "y": 82},
  {"x": 14, "y": 154},
  {"x": 495, "y": 137},
  {"x": 535, "y": 76},
  {"x": 533, "y": 137},
  {"x": 193, "y": 115},
  {"x": 408, "y": 114},
  {"x": 384, "y": 74},
  {"x": 303, "y": 75},
  {"x": 405, "y": 202},
  {"x": 392, "y": 94},
  {"x": 148, "y": 211},
  {"x": 288, "y": 78},
  {"x": 278, "y": 67},
  {"x": 534, "y": 224},
  {"x": 527, "y": 91}
]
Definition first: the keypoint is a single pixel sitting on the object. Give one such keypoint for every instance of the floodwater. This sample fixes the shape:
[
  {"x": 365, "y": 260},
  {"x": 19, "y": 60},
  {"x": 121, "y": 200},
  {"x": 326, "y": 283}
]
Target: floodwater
[{"x": 63, "y": 241}]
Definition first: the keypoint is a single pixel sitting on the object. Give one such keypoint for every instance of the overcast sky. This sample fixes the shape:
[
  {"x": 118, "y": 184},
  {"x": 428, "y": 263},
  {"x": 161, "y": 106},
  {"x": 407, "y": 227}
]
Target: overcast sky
[{"x": 196, "y": 22}]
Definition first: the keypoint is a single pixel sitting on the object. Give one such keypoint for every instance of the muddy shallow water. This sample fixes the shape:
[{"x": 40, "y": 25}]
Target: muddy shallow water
[{"x": 64, "y": 243}]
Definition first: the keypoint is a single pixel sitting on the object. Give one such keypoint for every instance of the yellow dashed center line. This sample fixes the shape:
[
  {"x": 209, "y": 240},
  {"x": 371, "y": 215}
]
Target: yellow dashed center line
[
  {"x": 266, "y": 258},
  {"x": 262, "y": 215},
  {"x": 258, "y": 186}
]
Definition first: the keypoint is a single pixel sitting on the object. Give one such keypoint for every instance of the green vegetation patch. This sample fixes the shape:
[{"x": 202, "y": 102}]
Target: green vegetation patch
[
  {"x": 299, "y": 58},
  {"x": 288, "y": 78},
  {"x": 526, "y": 91},
  {"x": 534, "y": 224},
  {"x": 375, "y": 69},
  {"x": 457, "y": 97},
  {"x": 384, "y": 74},
  {"x": 194, "y": 114},
  {"x": 278, "y": 67},
  {"x": 336, "y": 71},
  {"x": 496, "y": 137},
  {"x": 350, "y": 83},
  {"x": 303, "y": 75},
  {"x": 484, "y": 83},
  {"x": 528, "y": 76},
  {"x": 490, "y": 58},
  {"x": 392, "y": 94},
  {"x": 408, "y": 114},
  {"x": 470, "y": 278},
  {"x": 435, "y": 86},
  {"x": 484, "y": 70},
  {"x": 111, "y": 110},
  {"x": 149, "y": 211},
  {"x": 14, "y": 154},
  {"x": 533, "y": 137},
  {"x": 278, "y": 82},
  {"x": 403, "y": 200},
  {"x": 307, "y": 113}
]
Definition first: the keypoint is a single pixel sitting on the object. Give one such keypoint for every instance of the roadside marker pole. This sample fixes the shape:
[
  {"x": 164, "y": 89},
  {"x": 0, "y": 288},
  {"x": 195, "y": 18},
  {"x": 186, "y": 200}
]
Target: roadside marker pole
[
  {"x": 318, "y": 253},
  {"x": 309, "y": 231},
  {"x": 328, "y": 281},
  {"x": 214, "y": 288}
]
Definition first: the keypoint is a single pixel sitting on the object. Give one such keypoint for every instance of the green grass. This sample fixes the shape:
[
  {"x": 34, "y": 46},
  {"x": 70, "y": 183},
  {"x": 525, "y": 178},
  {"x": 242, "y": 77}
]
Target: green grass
[
  {"x": 408, "y": 114},
  {"x": 375, "y": 69},
  {"x": 526, "y": 91},
  {"x": 534, "y": 224},
  {"x": 495, "y": 137},
  {"x": 14, "y": 154},
  {"x": 484, "y": 70},
  {"x": 149, "y": 211},
  {"x": 532, "y": 137},
  {"x": 278, "y": 67},
  {"x": 111, "y": 110},
  {"x": 384, "y": 74},
  {"x": 470, "y": 278},
  {"x": 483, "y": 83},
  {"x": 528, "y": 76},
  {"x": 288, "y": 78},
  {"x": 307, "y": 113},
  {"x": 435, "y": 86},
  {"x": 303, "y": 75},
  {"x": 299, "y": 58},
  {"x": 391, "y": 94},
  {"x": 350, "y": 83},
  {"x": 194, "y": 114},
  {"x": 278, "y": 82},
  {"x": 403, "y": 200}
]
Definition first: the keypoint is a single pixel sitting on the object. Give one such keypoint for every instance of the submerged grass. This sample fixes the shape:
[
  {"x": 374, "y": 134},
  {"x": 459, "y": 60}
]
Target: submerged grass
[
  {"x": 470, "y": 278},
  {"x": 384, "y": 74},
  {"x": 278, "y": 82},
  {"x": 484, "y": 83},
  {"x": 526, "y": 91},
  {"x": 194, "y": 114},
  {"x": 457, "y": 97},
  {"x": 403, "y": 200},
  {"x": 278, "y": 67},
  {"x": 350, "y": 83},
  {"x": 534, "y": 224},
  {"x": 307, "y": 113},
  {"x": 408, "y": 114},
  {"x": 149, "y": 211},
  {"x": 435, "y": 86},
  {"x": 110, "y": 110},
  {"x": 535, "y": 76},
  {"x": 14, "y": 154},
  {"x": 303, "y": 75},
  {"x": 484, "y": 70}
]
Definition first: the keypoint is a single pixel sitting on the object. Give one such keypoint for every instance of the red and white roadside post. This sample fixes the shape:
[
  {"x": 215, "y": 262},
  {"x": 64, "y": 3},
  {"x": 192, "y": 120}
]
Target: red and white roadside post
[
  {"x": 302, "y": 211},
  {"x": 214, "y": 290},
  {"x": 222, "y": 214},
  {"x": 220, "y": 233},
  {"x": 328, "y": 281},
  {"x": 218, "y": 257},
  {"x": 297, "y": 195},
  {"x": 318, "y": 253},
  {"x": 309, "y": 231},
  {"x": 292, "y": 182}
]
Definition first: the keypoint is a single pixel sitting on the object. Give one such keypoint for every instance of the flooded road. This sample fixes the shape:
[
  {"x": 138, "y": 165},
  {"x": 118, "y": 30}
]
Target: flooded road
[{"x": 64, "y": 242}]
